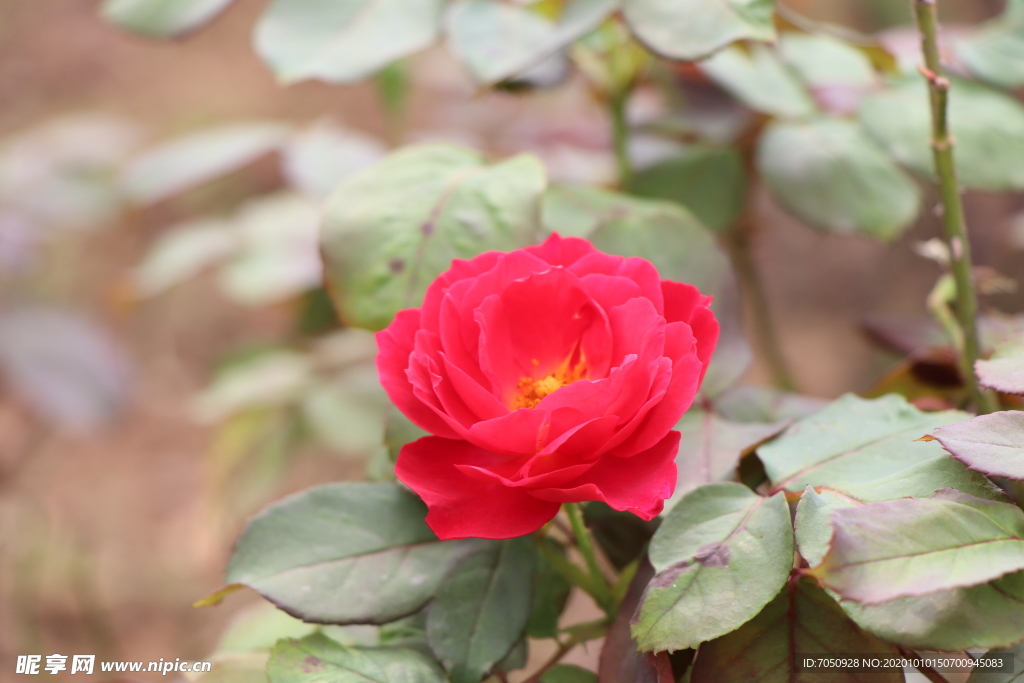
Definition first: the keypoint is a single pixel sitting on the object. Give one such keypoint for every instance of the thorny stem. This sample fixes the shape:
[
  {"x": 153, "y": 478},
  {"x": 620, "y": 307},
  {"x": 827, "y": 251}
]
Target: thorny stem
[
  {"x": 586, "y": 547},
  {"x": 753, "y": 288},
  {"x": 953, "y": 221}
]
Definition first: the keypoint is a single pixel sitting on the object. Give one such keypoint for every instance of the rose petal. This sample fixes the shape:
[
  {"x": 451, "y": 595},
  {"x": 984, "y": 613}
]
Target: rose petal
[
  {"x": 685, "y": 303},
  {"x": 460, "y": 332},
  {"x": 395, "y": 346},
  {"x": 637, "y": 270},
  {"x": 461, "y": 506},
  {"x": 558, "y": 477},
  {"x": 610, "y": 291},
  {"x": 460, "y": 270},
  {"x": 638, "y": 484},
  {"x": 521, "y": 339},
  {"x": 478, "y": 399},
  {"x": 562, "y": 251},
  {"x": 521, "y": 432},
  {"x": 686, "y": 373}
]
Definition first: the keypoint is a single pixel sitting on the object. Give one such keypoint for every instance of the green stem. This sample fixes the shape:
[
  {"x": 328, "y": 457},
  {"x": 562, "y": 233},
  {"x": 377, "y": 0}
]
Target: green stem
[
  {"x": 586, "y": 547},
  {"x": 953, "y": 221},
  {"x": 739, "y": 242},
  {"x": 393, "y": 91},
  {"x": 620, "y": 137},
  {"x": 563, "y": 649}
]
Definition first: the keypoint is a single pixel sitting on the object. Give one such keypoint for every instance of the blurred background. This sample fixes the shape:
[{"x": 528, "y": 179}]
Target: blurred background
[{"x": 168, "y": 363}]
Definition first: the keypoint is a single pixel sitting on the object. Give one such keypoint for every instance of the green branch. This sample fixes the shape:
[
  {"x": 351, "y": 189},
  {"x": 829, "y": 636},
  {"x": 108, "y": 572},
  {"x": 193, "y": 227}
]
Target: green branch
[
  {"x": 586, "y": 546},
  {"x": 617, "y": 104},
  {"x": 766, "y": 337},
  {"x": 953, "y": 221}
]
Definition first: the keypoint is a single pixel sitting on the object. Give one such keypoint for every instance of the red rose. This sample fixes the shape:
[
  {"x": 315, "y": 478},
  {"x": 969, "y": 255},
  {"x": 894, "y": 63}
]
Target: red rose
[{"x": 549, "y": 375}]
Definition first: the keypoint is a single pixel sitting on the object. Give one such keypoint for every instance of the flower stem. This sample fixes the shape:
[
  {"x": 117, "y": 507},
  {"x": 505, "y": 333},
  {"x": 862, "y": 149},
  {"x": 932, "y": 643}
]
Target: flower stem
[
  {"x": 586, "y": 546},
  {"x": 739, "y": 243},
  {"x": 620, "y": 137},
  {"x": 953, "y": 221},
  {"x": 563, "y": 649}
]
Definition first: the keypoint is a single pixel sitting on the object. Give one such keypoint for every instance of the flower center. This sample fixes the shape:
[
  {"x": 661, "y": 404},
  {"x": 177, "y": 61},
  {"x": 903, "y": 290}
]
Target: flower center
[{"x": 532, "y": 391}]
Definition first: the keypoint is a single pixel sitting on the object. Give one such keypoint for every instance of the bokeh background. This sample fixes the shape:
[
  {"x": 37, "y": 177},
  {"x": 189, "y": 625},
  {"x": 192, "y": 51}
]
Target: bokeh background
[{"x": 124, "y": 477}]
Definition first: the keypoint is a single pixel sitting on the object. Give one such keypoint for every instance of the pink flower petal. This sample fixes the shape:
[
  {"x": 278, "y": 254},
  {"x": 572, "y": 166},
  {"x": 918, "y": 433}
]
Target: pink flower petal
[
  {"x": 639, "y": 484},
  {"x": 461, "y": 506}
]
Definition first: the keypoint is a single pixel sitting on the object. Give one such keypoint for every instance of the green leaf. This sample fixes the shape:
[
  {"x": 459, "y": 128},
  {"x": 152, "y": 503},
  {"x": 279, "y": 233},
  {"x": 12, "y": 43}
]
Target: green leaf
[
  {"x": 498, "y": 40},
  {"x": 765, "y": 404},
  {"x": 183, "y": 252},
  {"x": 812, "y": 525},
  {"x": 709, "y": 181},
  {"x": 833, "y": 177},
  {"x": 481, "y": 610},
  {"x": 733, "y": 354},
  {"x": 318, "y": 659},
  {"x": 802, "y": 620},
  {"x": 622, "y": 535},
  {"x": 915, "y": 546},
  {"x": 1004, "y": 371},
  {"x": 319, "y": 158},
  {"x": 825, "y": 62},
  {"x": 1017, "y": 676},
  {"x": 663, "y": 233},
  {"x": 390, "y": 230},
  {"x": 517, "y": 657},
  {"x": 994, "y": 51},
  {"x": 991, "y": 444},
  {"x": 399, "y": 431},
  {"x": 721, "y": 555},
  {"x": 348, "y": 412},
  {"x": 343, "y": 41},
  {"x": 980, "y": 616},
  {"x": 344, "y": 553},
  {"x": 258, "y": 627},
  {"x": 691, "y": 29},
  {"x": 277, "y": 257},
  {"x": 550, "y": 595},
  {"x": 760, "y": 80},
  {"x": 813, "y": 517},
  {"x": 162, "y": 18},
  {"x": 268, "y": 379},
  {"x": 197, "y": 158},
  {"x": 568, "y": 673},
  {"x": 711, "y": 448},
  {"x": 853, "y": 442},
  {"x": 410, "y": 631},
  {"x": 988, "y": 127}
]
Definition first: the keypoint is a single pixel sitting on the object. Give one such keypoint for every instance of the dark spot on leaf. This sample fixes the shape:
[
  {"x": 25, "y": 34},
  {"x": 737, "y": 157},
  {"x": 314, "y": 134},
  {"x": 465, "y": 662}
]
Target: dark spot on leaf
[
  {"x": 396, "y": 265},
  {"x": 667, "y": 577},
  {"x": 713, "y": 555},
  {"x": 312, "y": 664},
  {"x": 428, "y": 228}
]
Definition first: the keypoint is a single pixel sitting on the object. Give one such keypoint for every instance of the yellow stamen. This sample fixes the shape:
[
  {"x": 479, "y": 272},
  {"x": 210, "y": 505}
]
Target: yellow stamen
[{"x": 532, "y": 391}]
